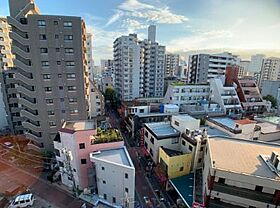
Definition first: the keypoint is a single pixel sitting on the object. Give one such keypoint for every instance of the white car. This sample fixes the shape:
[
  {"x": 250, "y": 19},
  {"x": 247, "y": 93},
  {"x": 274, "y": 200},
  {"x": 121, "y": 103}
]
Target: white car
[{"x": 24, "y": 200}]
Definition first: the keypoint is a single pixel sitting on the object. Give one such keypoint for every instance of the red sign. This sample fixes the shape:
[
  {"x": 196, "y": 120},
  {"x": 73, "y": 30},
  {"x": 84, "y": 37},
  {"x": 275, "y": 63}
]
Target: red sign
[{"x": 197, "y": 205}]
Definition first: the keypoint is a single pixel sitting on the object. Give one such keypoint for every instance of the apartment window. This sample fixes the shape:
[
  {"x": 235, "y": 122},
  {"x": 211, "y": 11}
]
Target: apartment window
[
  {"x": 41, "y": 23},
  {"x": 50, "y": 113},
  {"x": 222, "y": 180},
  {"x": 49, "y": 101},
  {"x": 104, "y": 182},
  {"x": 146, "y": 134},
  {"x": 60, "y": 87},
  {"x": 61, "y": 99},
  {"x": 45, "y": 63},
  {"x": 126, "y": 175},
  {"x": 114, "y": 199},
  {"x": 68, "y": 37},
  {"x": 181, "y": 169},
  {"x": 83, "y": 161},
  {"x": 56, "y": 36},
  {"x": 58, "y": 62},
  {"x": 126, "y": 190},
  {"x": 201, "y": 149},
  {"x": 70, "y": 63},
  {"x": 46, "y": 76},
  {"x": 72, "y": 88},
  {"x": 51, "y": 123},
  {"x": 57, "y": 49},
  {"x": 190, "y": 148},
  {"x": 82, "y": 146},
  {"x": 71, "y": 76},
  {"x": 177, "y": 123},
  {"x": 62, "y": 111},
  {"x": 42, "y": 37},
  {"x": 59, "y": 75},
  {"x": 55, "y": 22},
  {"x": 48, "y": 89},
  {"x": 259, "y": 188},
  {"x": 72, "y": 100},
  {"x": 152, "y": 140},
  {"x": 43, "y": 50},
  {"x": 199, "y": 160},
  {"x": 74, "y": 111},
  {"x": 151, "y": 152},
  {"x": 102, "y": 168},
  {"x": 69, "y": 50},
  {"x": 105, "y": 196},
  {"x": 141, "y": 110},
  {"x": 183, "y": 142},
  {"x": 67, "y": 24}
]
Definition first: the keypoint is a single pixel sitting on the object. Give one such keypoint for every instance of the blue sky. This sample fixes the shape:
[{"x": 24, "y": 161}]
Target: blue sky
[{"x": 240, "y": 26}]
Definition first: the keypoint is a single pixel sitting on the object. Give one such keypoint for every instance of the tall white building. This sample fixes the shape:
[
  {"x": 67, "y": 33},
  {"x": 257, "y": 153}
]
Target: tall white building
[
  {"x": 270, "y": 70},
  {"x": 203, "y": 67},
  {"x": 89, "y": 56},
  {"x": 172, "y": 65},
  {"x": 139, "y": 67},
  {"x": 115, "y": 176},
  {"x": 243, "y": 69},
  {"x": 256, "y": 63}
]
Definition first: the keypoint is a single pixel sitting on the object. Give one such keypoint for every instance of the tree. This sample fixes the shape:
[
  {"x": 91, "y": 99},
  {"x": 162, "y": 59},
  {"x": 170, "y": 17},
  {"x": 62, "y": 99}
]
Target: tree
[
  {"x": 271, "y": 99},
  {"x": 110, "y": 97}
]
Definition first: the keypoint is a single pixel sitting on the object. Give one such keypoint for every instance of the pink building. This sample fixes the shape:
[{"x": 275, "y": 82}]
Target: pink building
[{"x": 73, "y": 145}]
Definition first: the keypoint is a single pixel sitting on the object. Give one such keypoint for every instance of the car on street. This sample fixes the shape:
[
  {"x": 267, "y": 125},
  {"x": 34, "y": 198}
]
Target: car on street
[{"x": 23, "y": 200}]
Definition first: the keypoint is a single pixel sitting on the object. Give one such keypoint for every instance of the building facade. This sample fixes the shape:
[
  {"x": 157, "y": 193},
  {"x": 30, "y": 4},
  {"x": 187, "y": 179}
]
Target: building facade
[
  {"x": 50, "y": 77},
  {"x": 172, "y": 65},
  {"x": 90, "y": 62},
  {"x": 270, "y": 70},
  {"x": 256, "y": 63},
  {"x": 139, "y": 67}
]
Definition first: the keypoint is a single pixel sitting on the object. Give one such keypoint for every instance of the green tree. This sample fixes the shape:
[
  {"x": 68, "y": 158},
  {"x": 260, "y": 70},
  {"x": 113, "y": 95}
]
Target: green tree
[
  {"x": 111, "y": 98},
  {"x": 271, "y": 99}
]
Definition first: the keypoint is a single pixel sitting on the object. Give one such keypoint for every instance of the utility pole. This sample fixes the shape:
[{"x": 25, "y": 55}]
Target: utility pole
[{"x": 69, "y": 171}]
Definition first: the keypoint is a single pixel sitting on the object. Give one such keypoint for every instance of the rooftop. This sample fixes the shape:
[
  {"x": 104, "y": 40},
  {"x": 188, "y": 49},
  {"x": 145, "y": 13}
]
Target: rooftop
[
  {"x": 184, "y": 117},
  {"x": 230, "y": 123},
  {"x": 245, "y": 121},
  {"x": 185, "y": 84},
  {"x": 118, "y": 156},
  {"x": 242, "y": 156},
  {"x": 270, "y": 119},
  {"x": 162, "y": 129},
  {"x": 108, "y": 135},
  {"x": 184, "y": 187},
  {"x": 79, "y": 125},
  {"x": 267, "y": 127},
  {"x": 170, "y": 152}
]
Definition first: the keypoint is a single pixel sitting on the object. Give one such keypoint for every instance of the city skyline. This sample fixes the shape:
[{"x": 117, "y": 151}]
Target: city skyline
[{"x": 242, "y": 27}]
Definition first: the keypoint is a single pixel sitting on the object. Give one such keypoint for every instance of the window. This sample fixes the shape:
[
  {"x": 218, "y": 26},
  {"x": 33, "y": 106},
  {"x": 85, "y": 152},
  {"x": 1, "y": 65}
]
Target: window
[
  {"x": 199, "y": 160},
  {"x": 71, "y": 76},
  {"x": 181, "y": 169},
  {"x": 56, "y": 36},
  {"x": 259, "y": 188},
  {"x": 152, "y": 140},
  {"x": 126, "y": 190},
  {"x": 41, "y": 23},
  {"x": 50, "y": 113},
  {"x": 62, "y": 111},
  {"x": 57, "y": 49},
  {"x": 43, "y": 50},
  {"x": 57, "y": 152},
  {"x": 61, "y": 99},
  {"x": 82, "y": 146},
  {"x": 105, "y": 196},
  {"x": 67, "y": 24},
  {"x": 69, "y": 50},
  {"x": 49, "y": 101},
  {"x": 60, "y": 87},
  {"x": 58, "y": 62},
  {"x": 126, "y": 175},
  {"x": 114, "y": 199},
  {"x": 141, "y": 110},
  {"x": 45, "y": 63},
  {"x": 42, "y": 37},
  {"x": 177, "y": 123},
  {"x": 72, "y": 88},
  {"x": 183, "y": 142},
  {"x": 70, "y": 63},
  {"x": 48, "y": 89},
  {"x": 72, "y": 100},
  {"x": 102, "y": 168},
  {"x": 146, "y": 134},
  {"x": 83, "y": 161},
  {"x": 222, "y": 180},
  {"x": 190, "y": 148},
  {"x": 51, "y": 123},
  {"x": 104, "y": 182},
  {"x": 151, "y": 152},
  {"x": 55, "y": 22},
  {"x": 201, "y": 149},
  {"x": 46, "y": 76},
  {"x": 68, "y": 37},
  {"x": 74, "y": 111},
  {"x": 59, "y": 75}
]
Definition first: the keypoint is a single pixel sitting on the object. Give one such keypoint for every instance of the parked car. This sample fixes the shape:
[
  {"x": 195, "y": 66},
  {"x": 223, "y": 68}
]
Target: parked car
[
  {"x": 23, "y": 200},
  {"x": 8, "y": 145}
]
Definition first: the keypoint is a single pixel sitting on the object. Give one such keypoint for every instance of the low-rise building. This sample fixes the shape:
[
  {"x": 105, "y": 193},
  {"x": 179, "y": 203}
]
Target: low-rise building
[
  {"x": 115, "y": 176},
  {"x": 241, "y": 173}
]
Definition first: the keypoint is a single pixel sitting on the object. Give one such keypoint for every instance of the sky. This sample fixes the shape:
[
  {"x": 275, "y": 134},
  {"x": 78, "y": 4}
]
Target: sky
[{"x": 243, "y": 27}]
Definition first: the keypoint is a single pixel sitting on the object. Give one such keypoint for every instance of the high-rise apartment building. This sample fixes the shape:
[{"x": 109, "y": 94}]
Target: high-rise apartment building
[
  {"x": 139, "y": 66},
  {"x": 270, "y": 70},
  {"x": 107, "y": 66},
  {"x": 172, "y": 65},
  {"x": 203, "y": 67},
  {"x": 243, "y": 69},
  {"x": 256, "y": 63},
  {"x": 49, "y": 82}
]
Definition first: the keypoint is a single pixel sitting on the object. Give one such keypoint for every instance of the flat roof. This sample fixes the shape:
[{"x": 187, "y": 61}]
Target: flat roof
[
  {"x": 79, "y": 125},
  {"x": 184, "y": 117},
  {"x": 245, "y": 121},
  {"x": 267, "y": 128},
  {"x": 212, "y": 131},
  {"x": 270, "y": 119},
  {"x": 116, "y": 155},
  {"x": 242, "y": 156},
  {"x": 162, "y": 129},
  {"x": 184, "y": 187},
  {"x": 225, "y": 121}
]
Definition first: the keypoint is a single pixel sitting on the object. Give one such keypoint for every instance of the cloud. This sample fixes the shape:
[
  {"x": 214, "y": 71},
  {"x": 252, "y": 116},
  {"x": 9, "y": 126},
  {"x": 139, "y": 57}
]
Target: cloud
[
  {"x": 132, "y": 5},
  {"x": 115, "y": 17}
]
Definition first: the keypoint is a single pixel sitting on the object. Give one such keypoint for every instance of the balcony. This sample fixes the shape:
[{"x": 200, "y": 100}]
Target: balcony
[
  {"x": 17, "y": 24},
  {"x": 24, "y": 79},
  {"x": 19, "y": 64},
  {"x": 27, "y": 103},
  {"x": 21, "y": 50},
  {"x": 31, "y": 126},
  {"x": 27, "y": 114},
  {"x": 19, "y": 38},
  {"x": 26, "y": 91},
  {"x": 32, "y": 136},
  {"x": 244, "y": 193}
]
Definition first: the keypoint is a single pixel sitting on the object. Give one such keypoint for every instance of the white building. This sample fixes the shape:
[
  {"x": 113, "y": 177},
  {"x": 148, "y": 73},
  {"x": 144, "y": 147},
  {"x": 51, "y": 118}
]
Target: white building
[
  {"x": 139, "y": 67},
  {"x": 115, "y": 176},
  {"x": 172, "y": 65},
  {"x": 270, "y": 70},
  {"x": 90, "y": 61},
  {"x": 96, "y": 101},
  {"x": 256, "y": 63},
  {"x": 225, "y": 96}
]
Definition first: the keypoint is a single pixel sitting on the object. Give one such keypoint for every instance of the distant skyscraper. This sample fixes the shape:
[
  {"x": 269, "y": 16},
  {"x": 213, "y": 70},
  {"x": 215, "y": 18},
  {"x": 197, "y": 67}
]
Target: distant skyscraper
[
  {"x": 152, "y": 33},
  {"x": 49, "y": 82},
  {"x": 172, "y": 65},
  {"x": 270, "y": 70},
  {"x": 203, "y": 67},
  {"x": 256, "y": 63},
  {"x": 139, "y": 67}
]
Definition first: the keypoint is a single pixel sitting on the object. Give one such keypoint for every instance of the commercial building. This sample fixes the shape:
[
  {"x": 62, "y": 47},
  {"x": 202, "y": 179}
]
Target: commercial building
[
  {"x": 139, "y": 67},
  {"x": 73, "y": 145},
  {"x": 270, "y": 70},
  {"x": 241, "y": 173},
  {"x": 115, "y": 176},
  {"x": 49, "y": 82},
  {"x": 203, "y": 67},
  {"x": 172, "y": 65}
]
